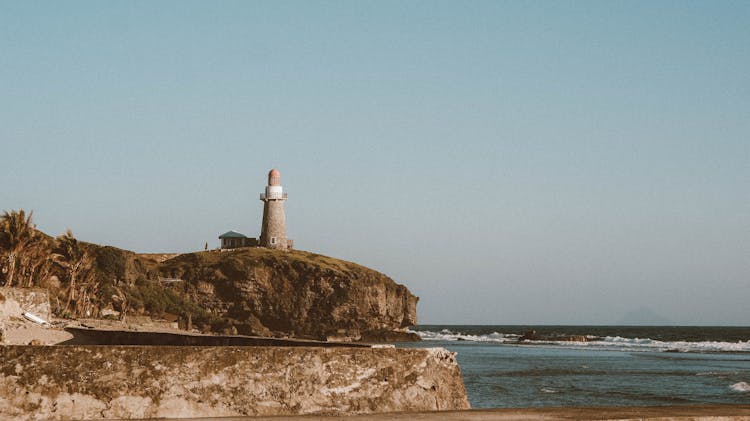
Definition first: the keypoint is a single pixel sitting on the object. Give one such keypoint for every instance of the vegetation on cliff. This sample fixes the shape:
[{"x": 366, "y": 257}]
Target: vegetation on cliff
[
  {"x": 254, "y": 291},
  {"x": 83, "y": 279},
  {"x": 272, "y": 292}
]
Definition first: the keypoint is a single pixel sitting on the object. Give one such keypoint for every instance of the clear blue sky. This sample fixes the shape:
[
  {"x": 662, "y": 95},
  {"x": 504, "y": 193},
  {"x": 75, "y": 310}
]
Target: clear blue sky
[{"x": 510, "y": 162}]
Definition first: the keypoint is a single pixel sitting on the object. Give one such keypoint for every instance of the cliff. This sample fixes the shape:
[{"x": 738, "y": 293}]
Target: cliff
[
  {"x": 249, "y": 291},
  {"x": 261, "y": 291}
]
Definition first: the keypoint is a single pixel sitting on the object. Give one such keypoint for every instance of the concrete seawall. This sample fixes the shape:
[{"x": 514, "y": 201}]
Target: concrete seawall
[
  {"x": 95, "y": 382},
  {"x": 86, "y": 336}
]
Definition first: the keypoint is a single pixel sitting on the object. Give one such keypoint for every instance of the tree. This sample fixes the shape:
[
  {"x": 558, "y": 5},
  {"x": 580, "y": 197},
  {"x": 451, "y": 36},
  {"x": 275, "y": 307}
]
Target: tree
[
  {"x": 19, "y": 239},
  {"x": 77, "y": 264},
  {"x": 35, "y": 263}
]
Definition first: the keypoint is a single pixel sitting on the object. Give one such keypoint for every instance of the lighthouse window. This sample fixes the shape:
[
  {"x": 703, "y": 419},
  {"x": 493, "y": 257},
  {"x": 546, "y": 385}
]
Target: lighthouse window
[{"x": 273, "y": 240}]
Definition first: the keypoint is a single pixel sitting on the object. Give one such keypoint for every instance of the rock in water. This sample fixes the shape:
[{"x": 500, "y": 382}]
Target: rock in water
[
  {"x": 576, "y": 338},
  {"x": 528, "y": 336}
]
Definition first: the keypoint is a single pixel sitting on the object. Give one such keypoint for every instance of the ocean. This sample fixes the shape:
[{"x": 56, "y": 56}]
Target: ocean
[{"x": 616, "y": 366}]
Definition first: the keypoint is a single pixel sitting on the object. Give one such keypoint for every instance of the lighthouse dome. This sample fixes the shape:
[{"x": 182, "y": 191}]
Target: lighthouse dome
[{"x": 274, "y": 177}]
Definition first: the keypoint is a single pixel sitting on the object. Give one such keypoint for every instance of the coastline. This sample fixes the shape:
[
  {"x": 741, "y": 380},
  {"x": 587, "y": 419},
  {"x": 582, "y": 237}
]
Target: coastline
[
  {"x": 663, "y": 413},
  {"x": 618, "y": 367}
]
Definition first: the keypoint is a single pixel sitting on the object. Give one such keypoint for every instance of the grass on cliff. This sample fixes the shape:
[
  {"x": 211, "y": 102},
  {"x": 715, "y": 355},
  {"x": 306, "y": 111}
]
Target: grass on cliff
[{"x": 265, "y": 255}]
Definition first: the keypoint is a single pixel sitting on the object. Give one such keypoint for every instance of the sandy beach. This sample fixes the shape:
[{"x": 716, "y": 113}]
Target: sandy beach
[{"x": 662, "y": 413}]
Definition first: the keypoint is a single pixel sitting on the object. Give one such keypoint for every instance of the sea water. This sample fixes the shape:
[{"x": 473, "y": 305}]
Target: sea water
[{"x": 615, "y": 366}]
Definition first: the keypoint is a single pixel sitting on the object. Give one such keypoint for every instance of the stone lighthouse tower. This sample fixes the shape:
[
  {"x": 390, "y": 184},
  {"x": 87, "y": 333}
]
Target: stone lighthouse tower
[{"x": 273, "y": 229}]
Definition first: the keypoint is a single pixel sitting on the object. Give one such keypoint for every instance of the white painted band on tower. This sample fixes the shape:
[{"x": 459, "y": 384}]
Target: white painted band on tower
[{"x": 274, "y": 192}]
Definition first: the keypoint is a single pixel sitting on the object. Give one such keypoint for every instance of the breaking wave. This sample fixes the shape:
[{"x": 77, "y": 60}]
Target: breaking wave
[
  {"x": 740, "y": 387},
  {"x": 593, "y": 342},
  {"x": 447, "y": 335}
]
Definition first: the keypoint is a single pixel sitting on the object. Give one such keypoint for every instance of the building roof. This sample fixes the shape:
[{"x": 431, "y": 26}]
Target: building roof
[{"x": 232, "y": 234}]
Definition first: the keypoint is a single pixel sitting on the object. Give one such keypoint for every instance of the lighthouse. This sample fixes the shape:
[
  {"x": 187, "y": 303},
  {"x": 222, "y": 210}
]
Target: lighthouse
[{"x": 273, "y": 228}]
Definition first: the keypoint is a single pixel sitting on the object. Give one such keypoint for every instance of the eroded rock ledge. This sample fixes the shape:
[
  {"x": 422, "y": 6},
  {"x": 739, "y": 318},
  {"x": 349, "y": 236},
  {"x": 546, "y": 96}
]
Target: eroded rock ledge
[{"x": 95, "y": 382}]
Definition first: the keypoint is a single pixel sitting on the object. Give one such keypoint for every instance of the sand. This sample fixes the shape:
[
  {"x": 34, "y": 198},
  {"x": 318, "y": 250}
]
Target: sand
[
  {"x": 662, "y": 413},
  {"x": 23, "y": 332}
]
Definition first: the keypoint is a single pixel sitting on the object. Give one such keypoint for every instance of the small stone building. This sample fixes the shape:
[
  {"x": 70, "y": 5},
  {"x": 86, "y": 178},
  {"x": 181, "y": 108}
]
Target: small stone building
[{"x": 234, "y": 239}]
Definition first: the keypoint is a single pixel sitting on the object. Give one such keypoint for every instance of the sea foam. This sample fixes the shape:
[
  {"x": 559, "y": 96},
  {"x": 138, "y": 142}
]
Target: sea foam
[
  {"x": 740, "y": 387},
  {"x": 447, "y": 335},
  {"x": 606, "y": 343}
]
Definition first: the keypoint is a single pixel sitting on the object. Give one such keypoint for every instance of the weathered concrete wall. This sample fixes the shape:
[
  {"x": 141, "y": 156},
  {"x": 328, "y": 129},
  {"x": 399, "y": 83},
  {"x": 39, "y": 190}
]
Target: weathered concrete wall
[
  {"x": 94, "y": 382},
  {"x": 15, "y": 301}
]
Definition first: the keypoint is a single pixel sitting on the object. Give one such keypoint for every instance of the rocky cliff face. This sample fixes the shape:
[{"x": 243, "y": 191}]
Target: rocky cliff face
[
  {"x": 252, "y": 291},
  {"x": 127, "y": 382},
  {"x": 269, "y": 292}
]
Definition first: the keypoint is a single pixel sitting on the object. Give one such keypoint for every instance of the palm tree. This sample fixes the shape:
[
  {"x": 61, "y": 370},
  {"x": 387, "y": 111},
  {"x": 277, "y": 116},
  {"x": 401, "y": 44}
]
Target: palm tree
[
  {"x": 17, "y": 233},
  {"x": 35, "y": 264},
  {"x": 77, "y": 264}
]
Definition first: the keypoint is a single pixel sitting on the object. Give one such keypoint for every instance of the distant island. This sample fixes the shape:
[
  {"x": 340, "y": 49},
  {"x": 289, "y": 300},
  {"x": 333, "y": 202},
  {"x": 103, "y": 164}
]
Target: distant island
[{"x": 644, "y": 316}]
